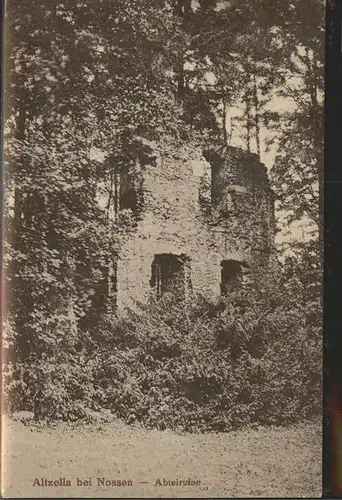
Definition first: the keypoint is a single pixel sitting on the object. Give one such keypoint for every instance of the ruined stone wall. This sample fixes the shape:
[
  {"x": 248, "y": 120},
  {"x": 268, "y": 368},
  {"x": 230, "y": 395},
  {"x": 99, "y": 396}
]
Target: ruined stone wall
[
  {"x": 235, "y": 222},
  {"x": 243, "y": 200}
]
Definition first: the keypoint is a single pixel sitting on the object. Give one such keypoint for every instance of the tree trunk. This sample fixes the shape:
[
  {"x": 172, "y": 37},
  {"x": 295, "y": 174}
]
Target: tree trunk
[
  {"x": 257, "y": 115},
  {"x": 18, "y": 201},
  {"x": 224, "y": 118},
  {"x": 21, "y": 303},
  {"x": 248, "y": 121},
  {"x": 182, "y": 10},
  {"x": 317, "y": 124}
]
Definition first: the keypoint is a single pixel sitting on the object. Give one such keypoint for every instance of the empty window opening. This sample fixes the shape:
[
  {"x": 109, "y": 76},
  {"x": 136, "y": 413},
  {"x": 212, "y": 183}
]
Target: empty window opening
[
  {"x": 170, "y": 273},
  {"x": 104, "y": 296},
  {"x": 128, "y": 190},
  {"x": 233, "y": 275}
]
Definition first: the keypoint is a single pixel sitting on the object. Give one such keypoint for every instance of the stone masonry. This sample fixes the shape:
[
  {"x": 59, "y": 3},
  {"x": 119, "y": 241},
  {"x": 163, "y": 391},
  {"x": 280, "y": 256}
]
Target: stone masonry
[{"x": 203, "y": 221}]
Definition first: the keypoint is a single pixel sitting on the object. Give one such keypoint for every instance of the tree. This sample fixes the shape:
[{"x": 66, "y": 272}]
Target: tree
[
  {"x": 297, "y": 175},
  {"x": 74, "y": 90}
]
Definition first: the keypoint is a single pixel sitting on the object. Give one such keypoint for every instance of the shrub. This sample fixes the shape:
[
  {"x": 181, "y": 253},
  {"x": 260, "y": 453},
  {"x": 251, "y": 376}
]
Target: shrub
[{"x": 252, "y": 359}]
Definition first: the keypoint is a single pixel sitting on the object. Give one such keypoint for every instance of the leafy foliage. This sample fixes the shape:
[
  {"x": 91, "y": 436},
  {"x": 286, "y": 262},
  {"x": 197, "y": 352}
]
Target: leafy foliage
[{"x": 252, "y": 360}]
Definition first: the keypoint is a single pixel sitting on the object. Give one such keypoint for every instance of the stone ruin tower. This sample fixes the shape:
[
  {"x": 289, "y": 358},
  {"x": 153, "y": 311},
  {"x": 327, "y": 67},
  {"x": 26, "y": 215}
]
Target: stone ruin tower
[{"x": 203, "y": 222}]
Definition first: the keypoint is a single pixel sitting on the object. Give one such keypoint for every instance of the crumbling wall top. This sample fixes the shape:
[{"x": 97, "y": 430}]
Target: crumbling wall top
[{"x": 237, "y": 160}]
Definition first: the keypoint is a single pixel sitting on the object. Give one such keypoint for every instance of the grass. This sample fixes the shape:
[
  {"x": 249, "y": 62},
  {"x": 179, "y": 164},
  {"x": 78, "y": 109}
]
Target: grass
[{"x": 268, "y": 462}]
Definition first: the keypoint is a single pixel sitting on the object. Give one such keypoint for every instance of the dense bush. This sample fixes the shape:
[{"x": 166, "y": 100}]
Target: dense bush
[{"x": 254, "y": 359}]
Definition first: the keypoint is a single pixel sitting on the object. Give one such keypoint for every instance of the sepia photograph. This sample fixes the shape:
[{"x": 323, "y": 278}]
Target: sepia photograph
[{"x": 163, "y": 246}]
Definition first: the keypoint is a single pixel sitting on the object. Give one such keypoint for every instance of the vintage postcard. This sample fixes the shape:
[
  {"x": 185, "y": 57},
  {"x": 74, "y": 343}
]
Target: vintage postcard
[{"x": 163, "y": 249}]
